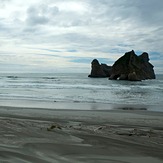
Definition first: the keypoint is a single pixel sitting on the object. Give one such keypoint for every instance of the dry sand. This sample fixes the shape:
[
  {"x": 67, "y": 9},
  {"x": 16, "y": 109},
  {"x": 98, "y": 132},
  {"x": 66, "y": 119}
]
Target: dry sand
[{"x": 31, "y": 135}]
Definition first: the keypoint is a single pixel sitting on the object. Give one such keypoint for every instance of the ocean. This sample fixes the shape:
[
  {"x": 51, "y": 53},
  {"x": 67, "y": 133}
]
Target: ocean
[{"x": 77, "y": 88}]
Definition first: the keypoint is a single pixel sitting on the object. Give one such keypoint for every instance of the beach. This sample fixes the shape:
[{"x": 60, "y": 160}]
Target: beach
[
  {"x": 81, "y": 81},
  {"x": 124, "y": 135}
]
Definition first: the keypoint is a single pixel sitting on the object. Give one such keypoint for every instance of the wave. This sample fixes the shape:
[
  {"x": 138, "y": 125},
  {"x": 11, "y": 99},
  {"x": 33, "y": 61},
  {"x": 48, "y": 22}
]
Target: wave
[
  {"x": 77, "y": 89},
  {"x": 12, "y": 77}
]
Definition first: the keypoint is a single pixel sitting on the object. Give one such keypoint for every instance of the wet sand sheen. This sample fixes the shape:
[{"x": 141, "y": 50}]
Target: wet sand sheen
[{"x": 48, "y": 136}]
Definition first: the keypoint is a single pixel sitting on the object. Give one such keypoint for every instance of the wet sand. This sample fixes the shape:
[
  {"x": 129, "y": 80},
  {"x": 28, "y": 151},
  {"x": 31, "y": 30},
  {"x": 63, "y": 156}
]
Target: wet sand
[{"x": 32, "y": 135}]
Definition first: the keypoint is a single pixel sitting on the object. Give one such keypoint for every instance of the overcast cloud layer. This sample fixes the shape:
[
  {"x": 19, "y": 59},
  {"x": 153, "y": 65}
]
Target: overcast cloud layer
[{"x": 64, "y": 36}]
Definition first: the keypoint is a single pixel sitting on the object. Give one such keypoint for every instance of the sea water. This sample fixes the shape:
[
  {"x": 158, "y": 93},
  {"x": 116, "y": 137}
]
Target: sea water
[{"x": 78, "y": 88}]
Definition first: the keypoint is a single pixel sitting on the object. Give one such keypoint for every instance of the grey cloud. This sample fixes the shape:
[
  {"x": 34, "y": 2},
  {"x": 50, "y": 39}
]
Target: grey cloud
[
  {"x": 3, "y": 27},
  {"x": 35, "y": 20},
  {"x": 106, "y": 26},
  {"x": 149, "y": 11},
  {"x": 44, "y": 13},
  {"x": 40, "y": 14},
  {"x": 51, "y": 15},
  {"x": 4, "y": 2},
  {"x": 133, "y": 11},
  {"x": 107, "y": 13},
  {"x": 142, "y": 19}
]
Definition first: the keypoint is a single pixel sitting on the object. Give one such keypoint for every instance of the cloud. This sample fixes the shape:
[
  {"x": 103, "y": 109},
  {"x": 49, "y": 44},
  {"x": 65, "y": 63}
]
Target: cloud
[
  {"x": 70, "y": 30},
  {"x": 3, "y": 3},
  {"x": 62, "y": 14},
  {"x": 40, "y": 14}
]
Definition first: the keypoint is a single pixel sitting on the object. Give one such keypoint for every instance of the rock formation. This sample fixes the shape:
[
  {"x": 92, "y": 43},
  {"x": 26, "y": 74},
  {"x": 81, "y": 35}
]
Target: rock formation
[
  {"x": 132, "y": 67},
  {"x": 128, "y": 67},
  {"x": 99, "y": 70}
]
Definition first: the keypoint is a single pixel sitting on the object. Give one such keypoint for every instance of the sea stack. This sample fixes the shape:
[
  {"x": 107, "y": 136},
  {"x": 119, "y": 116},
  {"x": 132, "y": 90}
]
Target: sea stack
[
  {"x": 132, "y": 67},
  {"x": 99, "y": 70},
  {"x": 128, "y": 67}
]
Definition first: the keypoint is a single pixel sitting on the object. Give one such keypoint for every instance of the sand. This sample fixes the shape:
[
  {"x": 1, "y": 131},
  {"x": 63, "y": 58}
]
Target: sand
[{"x": 33, "y": 135}]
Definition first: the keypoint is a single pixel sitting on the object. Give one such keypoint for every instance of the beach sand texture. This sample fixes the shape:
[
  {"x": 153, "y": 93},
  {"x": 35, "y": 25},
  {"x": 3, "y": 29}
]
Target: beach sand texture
[{"x": 31, "y": 135}]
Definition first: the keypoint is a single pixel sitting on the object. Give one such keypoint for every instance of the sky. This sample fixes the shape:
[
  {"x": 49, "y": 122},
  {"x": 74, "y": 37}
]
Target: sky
[{"x": 66, "y": 35}]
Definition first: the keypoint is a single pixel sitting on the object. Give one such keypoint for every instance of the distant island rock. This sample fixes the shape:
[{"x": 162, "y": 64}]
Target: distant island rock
[
  {"x": 99, "y": 70},
  {"x": 128, "y": 67}
]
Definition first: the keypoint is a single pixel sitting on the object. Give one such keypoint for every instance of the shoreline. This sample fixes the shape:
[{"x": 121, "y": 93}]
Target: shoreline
[
  {"x": 76, "y": 105},
  {"x": 54, "y": 135}
]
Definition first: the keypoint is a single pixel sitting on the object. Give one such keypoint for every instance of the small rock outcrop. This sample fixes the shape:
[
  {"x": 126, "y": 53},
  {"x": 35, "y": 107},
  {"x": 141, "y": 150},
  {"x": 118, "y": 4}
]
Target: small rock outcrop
[
  {"x": 128, "y": 67},
  {"x": 132, "y": 67},
  {"x": 99, "y": 70}
]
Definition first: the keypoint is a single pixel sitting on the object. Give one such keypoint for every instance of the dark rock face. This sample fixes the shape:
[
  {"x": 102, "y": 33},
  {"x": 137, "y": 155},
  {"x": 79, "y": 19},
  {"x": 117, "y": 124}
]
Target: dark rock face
[
  {"x": 132, "y": 67},
  {"x": 99, "y": 70},
  {"x": 128, "y": 67}
]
